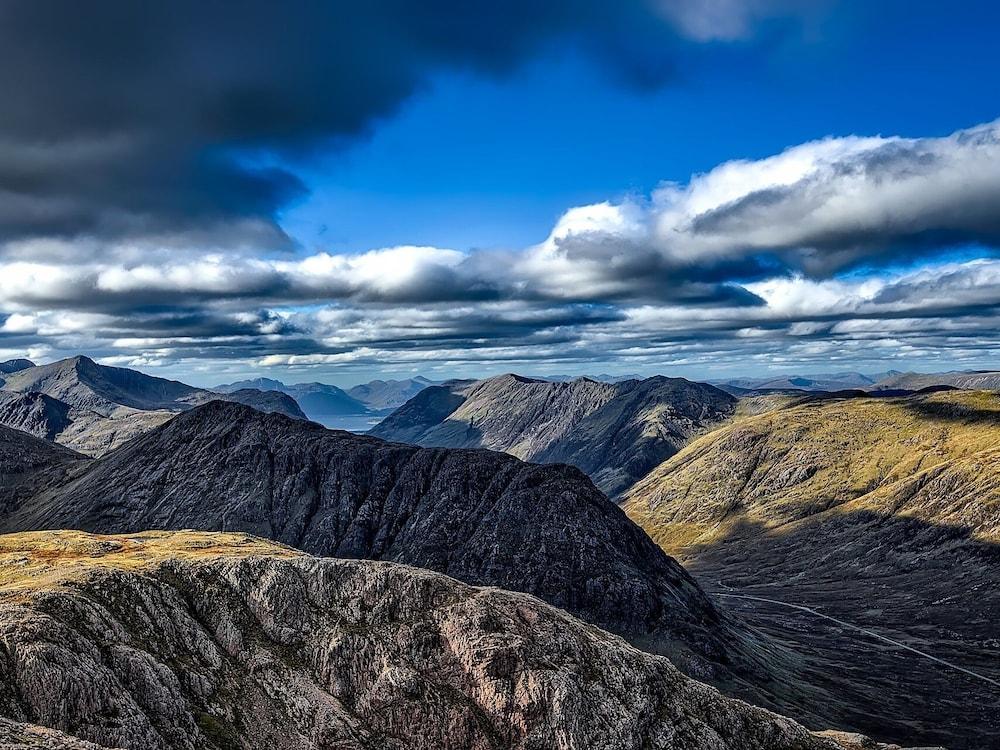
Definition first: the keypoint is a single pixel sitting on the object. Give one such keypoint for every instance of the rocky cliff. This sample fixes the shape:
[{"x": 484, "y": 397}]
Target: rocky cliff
[
  {"x": 222, "y": 641},
  {"x": 616, "y": 432}
]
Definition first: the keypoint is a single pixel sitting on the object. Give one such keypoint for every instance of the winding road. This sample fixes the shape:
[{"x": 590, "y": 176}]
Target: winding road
[{"x": 871, "y": 633}]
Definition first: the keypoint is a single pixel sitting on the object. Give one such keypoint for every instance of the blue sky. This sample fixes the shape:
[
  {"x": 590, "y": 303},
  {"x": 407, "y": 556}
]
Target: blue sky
[
  {"x": 337, "y": 191},
  {"x": 474, "y": 162}
]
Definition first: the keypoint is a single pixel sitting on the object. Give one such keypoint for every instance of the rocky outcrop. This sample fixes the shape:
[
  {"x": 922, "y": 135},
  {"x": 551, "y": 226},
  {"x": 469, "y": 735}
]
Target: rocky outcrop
[
  {"x": 483, "y": 517},
  {"x": 616, "y": 432},
  {"x": 220, "y": 641}
]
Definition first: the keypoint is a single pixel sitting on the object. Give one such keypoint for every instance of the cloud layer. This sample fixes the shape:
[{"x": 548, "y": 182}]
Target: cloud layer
[{"x": 807, "y": 256}]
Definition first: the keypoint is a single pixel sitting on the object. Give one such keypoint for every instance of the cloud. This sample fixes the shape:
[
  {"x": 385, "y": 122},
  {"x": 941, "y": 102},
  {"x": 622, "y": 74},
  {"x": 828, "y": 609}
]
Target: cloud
[
  {"x": 175, "y": 121},
  {"x": 796, "y": 257}
]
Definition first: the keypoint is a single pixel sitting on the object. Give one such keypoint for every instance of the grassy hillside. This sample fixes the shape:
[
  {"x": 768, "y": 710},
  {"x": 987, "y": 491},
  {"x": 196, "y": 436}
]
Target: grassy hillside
[
  {"x": 883, "y": 513},
  {"x": 806, "y": 458}
]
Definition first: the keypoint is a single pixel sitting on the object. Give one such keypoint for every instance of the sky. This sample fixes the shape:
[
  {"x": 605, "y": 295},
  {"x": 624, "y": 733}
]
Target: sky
[{"x": 335, "y": 191}]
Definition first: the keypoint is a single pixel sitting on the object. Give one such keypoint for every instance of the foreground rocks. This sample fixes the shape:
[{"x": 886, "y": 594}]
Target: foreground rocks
[{"x": 189, "y": 640}]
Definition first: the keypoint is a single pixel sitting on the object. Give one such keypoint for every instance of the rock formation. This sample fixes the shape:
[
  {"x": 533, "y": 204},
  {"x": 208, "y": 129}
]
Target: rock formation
[{"x": 222, "y": 641}]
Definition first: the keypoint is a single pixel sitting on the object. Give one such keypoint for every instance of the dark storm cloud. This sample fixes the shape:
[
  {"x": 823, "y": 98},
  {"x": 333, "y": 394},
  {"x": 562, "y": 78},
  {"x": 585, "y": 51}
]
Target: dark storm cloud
[{"x": 124, "y": 118}]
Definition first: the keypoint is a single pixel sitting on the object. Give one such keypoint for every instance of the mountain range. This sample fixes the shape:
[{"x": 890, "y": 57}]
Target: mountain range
[
  {"x": 842, "y": 550},
  {"x": 480, "y": 516},
  {"x": 831, "y": 381},
  {"x": 94, "y": 408},
  {"x": 616, "y": 432},
  {"x": 333, "y": 406}
]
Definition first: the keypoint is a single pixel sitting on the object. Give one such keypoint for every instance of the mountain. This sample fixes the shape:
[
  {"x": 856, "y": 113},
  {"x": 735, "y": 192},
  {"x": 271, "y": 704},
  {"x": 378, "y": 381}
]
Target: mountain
[
  {"x": 83, "y": 383},
  {"x": 239, "y": 643},
  {"x": 832, "y": 381},
  {"x": 93, "y": 408},
  {"x": 880, "y": 512},
  {"x": 913, "y": 381},
  {"x": 15, "y": 365},
  {"x": 28, "y": 465},
  {"x": 483, "y": 517},
  {"x": 382, "y": 395},
  {"x": 267, "y": 401},
  {"x": 318, "y": 401},
  {"x": 616, "y": 432}
]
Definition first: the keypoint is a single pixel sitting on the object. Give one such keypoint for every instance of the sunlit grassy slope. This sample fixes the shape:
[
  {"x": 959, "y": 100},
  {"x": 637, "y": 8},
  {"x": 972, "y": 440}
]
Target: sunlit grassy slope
[
  {"x": 935, "y": 458},
  {"x": 40, "y": 560}
]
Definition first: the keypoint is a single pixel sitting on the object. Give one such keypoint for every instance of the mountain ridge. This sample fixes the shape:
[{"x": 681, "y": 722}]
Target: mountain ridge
[{"x": 615, "y": 431}]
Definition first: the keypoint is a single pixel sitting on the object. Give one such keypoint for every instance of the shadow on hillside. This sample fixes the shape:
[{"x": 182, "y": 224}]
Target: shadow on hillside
[
  {"x": 943, "y": 411},
  {"x": 932, "y": 586}
]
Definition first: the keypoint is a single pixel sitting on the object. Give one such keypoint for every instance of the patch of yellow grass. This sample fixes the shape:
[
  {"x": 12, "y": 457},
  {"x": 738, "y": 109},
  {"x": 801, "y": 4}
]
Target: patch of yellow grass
[
  {"x": 774, "y": 468},
  {"x": 41, "y": 560}
]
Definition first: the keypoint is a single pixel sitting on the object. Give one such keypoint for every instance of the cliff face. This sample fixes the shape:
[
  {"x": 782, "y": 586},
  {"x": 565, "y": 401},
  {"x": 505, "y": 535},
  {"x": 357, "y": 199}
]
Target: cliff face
[
  {"x": 615, "y": 432},
  {"x": 482, "y": 517},
  {"x": 215, "y": 642}
]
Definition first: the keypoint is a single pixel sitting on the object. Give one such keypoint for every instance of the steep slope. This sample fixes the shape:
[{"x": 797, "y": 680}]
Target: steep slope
[
  {"x": 239, "y": 643},
  {"x": 483, "y": 517},
  {"x": 614, "y": 431},
  {"x": 383, "y": 395},
  {"x": 915, "y": 381},
  {"x": 882, "y": 513},
  {"x": 425, "y": 411},
  {"x": 651, "y": 419},
  {"x": 29, "y": 464},
  {"x": 35, "y": 413}
]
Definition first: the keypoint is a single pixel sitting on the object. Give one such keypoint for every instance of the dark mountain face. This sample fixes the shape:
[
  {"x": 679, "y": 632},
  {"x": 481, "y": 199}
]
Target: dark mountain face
[
  {"x": 15, "y": 365},
  {"x": 483, "y": 517},
  {"x": 35, "y": 413},
  {"x": 616, "y": 432},
  {"x": 28, "y": 465},
  {"x": 415, "y": 419}
]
